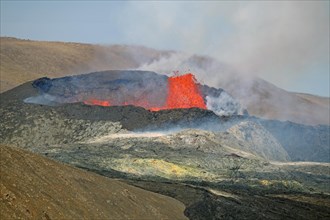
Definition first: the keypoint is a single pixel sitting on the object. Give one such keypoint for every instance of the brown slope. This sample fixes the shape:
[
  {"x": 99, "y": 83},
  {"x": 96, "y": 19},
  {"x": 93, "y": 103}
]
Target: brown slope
[
  {"x": 283, "y": 105},
  {"x": 318, "y": 100},
  {"x": 26, "y": 60},
  {"x": 33, "y": 187},
  {"x": 265, "y": 100}
]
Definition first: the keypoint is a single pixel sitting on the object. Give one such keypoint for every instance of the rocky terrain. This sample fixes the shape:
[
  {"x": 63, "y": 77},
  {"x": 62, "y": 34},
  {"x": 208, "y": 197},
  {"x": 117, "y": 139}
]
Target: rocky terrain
[
  {"x": 302, "y": 143},
  {"x": 236, "y": 187},
  {"x": 34, "y": 187},
  {"x": 25, "y": 60}
]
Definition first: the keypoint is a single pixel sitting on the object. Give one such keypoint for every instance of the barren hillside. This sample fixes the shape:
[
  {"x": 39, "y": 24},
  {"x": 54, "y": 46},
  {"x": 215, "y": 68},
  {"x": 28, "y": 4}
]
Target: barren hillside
[
  {"x": 25, "y": 60},
  {"x": 266, "y": 100},
  {"x": 33, "y": 187}
]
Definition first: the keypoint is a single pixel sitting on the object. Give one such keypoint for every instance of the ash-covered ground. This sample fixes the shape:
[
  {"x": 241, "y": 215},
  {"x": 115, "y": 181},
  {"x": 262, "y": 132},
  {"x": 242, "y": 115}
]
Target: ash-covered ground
[{"x": 220, "y": 166}]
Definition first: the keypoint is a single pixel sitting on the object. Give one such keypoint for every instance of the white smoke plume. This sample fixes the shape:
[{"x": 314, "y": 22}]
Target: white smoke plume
[
  {"x": 207, "y": 70},
  {"x": 280, "y": 41},
  {"x": 224, "y": 105},
  {"x": 44, "y": 99}
]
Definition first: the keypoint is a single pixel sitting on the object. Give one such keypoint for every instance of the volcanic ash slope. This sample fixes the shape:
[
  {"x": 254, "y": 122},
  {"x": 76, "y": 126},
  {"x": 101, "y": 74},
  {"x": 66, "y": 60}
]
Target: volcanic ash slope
[{"x": 33, "y": 187}]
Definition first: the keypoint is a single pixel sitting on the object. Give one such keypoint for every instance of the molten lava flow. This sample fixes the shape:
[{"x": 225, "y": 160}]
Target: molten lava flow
[
  {"x": 97, "y": 102},
  {"x": 182, "y": 93}
]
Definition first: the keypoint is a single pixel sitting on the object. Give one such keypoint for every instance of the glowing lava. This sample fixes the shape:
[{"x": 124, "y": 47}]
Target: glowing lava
[
  {"x": 97, "y": 102},
  {"x": 183, "y": 92}
]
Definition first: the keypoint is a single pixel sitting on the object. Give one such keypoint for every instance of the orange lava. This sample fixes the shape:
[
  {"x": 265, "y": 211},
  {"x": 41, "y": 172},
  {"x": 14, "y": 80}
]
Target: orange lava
[
  {"x": 97, "y": 102},
  {"x": 183, "y": 92}
]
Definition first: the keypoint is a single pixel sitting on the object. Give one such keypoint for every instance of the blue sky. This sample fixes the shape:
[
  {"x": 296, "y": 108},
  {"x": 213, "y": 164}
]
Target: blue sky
[{"x": 286, "y": 43}]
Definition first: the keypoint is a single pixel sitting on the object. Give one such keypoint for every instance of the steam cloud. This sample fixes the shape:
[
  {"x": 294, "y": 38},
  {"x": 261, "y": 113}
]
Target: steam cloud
[
  {"x": 223, "y": 105},
  {"x": 44, "y": 99},
  {"x": 272, "y": 37},
  {"x": 280, "y": 41}
]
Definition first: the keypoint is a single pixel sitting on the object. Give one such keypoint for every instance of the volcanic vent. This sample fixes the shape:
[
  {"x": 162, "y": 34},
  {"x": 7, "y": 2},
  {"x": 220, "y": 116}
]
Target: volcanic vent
[{"x": 139, "y": 88}]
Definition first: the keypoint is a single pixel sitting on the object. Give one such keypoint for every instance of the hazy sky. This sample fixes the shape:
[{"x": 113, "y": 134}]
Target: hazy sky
[{"x": 284, "y": 42}]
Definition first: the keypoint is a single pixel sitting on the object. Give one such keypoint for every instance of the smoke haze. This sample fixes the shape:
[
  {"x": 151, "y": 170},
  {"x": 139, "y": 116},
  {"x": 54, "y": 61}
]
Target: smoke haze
[
  {"x": 276, "y": 37},
  {"x": 283, "y": 42}
]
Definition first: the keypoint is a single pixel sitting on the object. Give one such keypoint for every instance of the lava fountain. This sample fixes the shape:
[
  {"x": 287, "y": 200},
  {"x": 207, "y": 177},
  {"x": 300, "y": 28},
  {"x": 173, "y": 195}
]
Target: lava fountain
[{"x": 184, "y": 93}]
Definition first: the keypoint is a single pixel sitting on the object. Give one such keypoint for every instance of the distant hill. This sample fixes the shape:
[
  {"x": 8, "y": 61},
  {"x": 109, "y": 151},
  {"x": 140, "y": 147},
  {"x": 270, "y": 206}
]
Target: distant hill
[
  {"x": 34, "y": 187},
  {"x": 265, "y": 100},
  {"x": 318, "y": 100},
  {"x": 26, "y": 60}
]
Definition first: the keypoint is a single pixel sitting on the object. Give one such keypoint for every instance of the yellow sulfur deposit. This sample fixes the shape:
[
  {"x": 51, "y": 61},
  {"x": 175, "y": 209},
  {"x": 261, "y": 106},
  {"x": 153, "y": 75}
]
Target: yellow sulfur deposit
[{"x": 157, "y": 167}]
